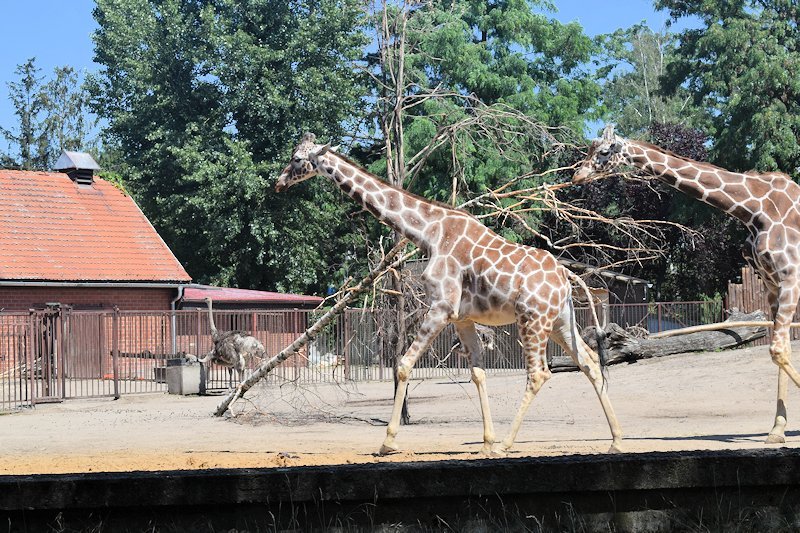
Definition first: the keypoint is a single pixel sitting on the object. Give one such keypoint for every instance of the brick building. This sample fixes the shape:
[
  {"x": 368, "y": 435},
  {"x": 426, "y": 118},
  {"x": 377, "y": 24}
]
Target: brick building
[{"x": 72, "y": 238}]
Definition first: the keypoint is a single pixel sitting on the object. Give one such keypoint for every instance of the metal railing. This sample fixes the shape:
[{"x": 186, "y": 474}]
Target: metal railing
[{"x": 57, "y": 354}]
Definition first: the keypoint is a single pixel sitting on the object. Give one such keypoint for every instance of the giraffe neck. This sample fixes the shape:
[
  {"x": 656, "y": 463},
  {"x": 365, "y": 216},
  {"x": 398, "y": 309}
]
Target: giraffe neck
[
  {"x": 720, "y": 188},
  {"x": 412, "y": 216}
]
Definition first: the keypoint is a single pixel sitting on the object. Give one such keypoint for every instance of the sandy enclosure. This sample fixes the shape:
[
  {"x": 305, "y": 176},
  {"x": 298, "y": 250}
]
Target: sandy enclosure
[{"x": 723, "y": 400}]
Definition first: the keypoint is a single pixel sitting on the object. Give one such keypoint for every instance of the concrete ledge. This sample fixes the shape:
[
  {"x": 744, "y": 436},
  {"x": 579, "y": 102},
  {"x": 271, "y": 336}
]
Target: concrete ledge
[{"x": 655, "y": 491}]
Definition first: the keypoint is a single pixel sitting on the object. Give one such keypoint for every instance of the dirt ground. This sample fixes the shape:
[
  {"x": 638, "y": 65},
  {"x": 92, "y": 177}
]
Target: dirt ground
[{"x": 723, "y": 400}]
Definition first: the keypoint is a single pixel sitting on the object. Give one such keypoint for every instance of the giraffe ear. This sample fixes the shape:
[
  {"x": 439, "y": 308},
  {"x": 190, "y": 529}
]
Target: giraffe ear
[
  {"x": 334, "y": 148},
  {"x": 608, "y": 133},
  {"x": 323, "y": 150}
]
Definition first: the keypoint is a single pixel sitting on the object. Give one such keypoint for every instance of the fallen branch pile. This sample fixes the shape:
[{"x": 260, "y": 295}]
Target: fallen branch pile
[{"x": 267, "y": 366}]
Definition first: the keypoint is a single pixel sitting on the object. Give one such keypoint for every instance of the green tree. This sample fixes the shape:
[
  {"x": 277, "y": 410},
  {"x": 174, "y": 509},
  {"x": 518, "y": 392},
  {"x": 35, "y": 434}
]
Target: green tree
[
  {"x": 635, "y": 62},
  {"x": 67, "y": 122},
  {"x": 742, "y": 66},
  {"x": 29, "y": 138},
  {"x": 204, "y": 101},
  {"x": 486, "y": 88},
  {"x": 51, "y": 115}
]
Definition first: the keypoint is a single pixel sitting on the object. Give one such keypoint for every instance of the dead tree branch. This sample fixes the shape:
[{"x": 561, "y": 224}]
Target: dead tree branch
[{"x": 388, "y": 261}]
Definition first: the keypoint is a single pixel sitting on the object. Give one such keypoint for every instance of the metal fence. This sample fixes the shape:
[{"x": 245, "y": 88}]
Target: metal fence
[{"x": 57, "y": 354}]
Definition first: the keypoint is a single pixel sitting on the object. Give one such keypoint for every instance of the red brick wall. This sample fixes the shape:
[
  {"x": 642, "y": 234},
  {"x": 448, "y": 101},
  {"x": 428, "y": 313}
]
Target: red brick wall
[{"x": 127, "y": 299}]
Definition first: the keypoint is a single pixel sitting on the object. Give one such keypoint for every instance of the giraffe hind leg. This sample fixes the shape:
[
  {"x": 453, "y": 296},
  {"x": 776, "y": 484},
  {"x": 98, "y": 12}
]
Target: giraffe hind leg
[
  {"x": 534, "y": 345},
  {"x": 589, "y": 362}
]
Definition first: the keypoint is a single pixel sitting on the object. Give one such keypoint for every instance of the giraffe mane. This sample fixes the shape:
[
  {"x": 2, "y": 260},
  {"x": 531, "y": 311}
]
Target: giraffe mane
[
  {"x": 437, "y": 203},
  {"x": 678, "y": 156},
  {"x": 752, "y": 172},
  {"x": 770, "y": 175}
]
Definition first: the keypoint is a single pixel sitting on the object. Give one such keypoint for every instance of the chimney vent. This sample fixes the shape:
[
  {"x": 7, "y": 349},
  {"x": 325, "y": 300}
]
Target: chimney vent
[{"x": 79, "y": 166}]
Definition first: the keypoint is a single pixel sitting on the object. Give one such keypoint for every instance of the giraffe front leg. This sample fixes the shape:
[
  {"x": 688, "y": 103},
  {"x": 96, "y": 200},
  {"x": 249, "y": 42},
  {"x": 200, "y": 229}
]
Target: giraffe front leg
[
  {"x": 780, "y": 350},
  {"x": 434, "y": 322},
  {"x": 777, "y": 434},
  {"x": 471, "y": 343}
]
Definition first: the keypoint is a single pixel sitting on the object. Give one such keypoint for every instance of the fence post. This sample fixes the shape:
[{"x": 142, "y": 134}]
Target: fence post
[
  {"x": 197, "y": 335},
  {"x": 62, "y": 347},
  {"x": 31, "y": 356},
  {"x": 115, "y": 350},
  {"x": 347, "y": 342},
  {"x": 658, "y": 311}
]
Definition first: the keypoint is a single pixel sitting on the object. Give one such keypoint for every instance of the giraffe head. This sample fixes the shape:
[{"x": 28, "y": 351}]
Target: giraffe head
[
  {"x": 304, "y": 163},
  {"x": 605, "y": 154}
]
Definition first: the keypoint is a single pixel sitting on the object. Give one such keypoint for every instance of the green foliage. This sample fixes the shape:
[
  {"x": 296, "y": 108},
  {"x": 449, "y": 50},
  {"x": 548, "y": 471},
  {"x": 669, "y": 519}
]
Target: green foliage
[
  {"x": 635, "y": 59},
  {"x": 742, "y": 66},
  {"x": 466, "y": 61},
  {"x": 51, "y": 117},
  {"x": 204, "y": 101}
]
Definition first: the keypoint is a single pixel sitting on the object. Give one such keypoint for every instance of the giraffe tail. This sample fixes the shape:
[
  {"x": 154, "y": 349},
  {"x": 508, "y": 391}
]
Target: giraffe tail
[{"x": 600, "y": 334}]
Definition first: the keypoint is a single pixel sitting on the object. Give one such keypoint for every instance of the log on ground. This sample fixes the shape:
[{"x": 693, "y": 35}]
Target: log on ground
[{"x": 628, "y": 345}]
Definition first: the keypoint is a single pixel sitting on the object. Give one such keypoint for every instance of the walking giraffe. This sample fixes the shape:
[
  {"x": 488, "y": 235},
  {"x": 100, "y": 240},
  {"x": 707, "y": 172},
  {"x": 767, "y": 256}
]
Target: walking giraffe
[
  {"x": 473, "y": 276},
  {"x": 768, "y": 204}
]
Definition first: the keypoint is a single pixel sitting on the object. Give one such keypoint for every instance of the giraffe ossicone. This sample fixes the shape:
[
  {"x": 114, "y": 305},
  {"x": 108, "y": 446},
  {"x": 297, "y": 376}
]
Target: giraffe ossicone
[
  {"x": 767, "y": 203},
  {"x": 473, "y": 276}
]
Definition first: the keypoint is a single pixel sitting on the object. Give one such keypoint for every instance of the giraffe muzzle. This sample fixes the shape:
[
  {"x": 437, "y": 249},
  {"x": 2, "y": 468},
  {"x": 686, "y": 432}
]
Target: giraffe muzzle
[{"x": 581, "y": 176}]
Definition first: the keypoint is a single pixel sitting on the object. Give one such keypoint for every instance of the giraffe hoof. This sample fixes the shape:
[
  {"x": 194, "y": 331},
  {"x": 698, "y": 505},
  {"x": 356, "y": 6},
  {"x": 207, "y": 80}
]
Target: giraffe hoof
[
  {"x": 388, "y": 449},
  {"x": 497, "y": 451},
  {"x": 615, "y": 448},
  {"x": 775, "y": 438}
]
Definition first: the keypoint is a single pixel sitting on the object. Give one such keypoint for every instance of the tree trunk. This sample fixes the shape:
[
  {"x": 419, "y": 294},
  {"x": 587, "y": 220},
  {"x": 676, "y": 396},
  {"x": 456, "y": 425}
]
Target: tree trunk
[{"x": 626, "y": 346}]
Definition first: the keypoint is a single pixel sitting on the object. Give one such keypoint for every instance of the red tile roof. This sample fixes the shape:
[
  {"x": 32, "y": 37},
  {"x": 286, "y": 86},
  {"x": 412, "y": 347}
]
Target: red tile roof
[
  {"x": 197, "y": 293},
  {"x": 52, "y": 229}
]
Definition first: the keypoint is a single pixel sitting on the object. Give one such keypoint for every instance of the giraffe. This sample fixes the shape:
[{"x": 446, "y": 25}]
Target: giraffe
[
  {"x": 473, "y": 276},
  {"x": 769, "y": 206}
]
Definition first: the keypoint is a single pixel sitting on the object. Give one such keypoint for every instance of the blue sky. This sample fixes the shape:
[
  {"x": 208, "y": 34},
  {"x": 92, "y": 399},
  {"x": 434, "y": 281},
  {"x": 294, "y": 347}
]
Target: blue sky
[{"x": 58, "y": 33}]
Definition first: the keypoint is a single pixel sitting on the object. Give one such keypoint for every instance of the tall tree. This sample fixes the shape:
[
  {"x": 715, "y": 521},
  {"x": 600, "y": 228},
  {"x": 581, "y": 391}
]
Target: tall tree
[
  {"x": 52, "y": 116},
  {"x": 742, "y": 66},
  {"x": 67, "y": 122},
  {"x": 29, "y": 139},
  {"x": 482, "y": 83},
  {"x": 203, "y": 102},
  {"x": 636, "y": 59}
]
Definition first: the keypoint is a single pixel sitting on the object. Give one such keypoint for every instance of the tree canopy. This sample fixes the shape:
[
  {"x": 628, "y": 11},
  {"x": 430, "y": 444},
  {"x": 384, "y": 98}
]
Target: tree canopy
[
  {"x": 741, "y": 65},
  {"x": 51, "y": 117},
  {"x": 204, "y": 101},
  {"x": 201, "y": 103}
]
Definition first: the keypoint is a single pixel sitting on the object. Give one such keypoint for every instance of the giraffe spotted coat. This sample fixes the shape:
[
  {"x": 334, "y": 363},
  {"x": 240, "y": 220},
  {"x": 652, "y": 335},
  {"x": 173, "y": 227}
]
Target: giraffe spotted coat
[
  {"x": 473, "y": 276},
  {"x": 768, "y": 204}
]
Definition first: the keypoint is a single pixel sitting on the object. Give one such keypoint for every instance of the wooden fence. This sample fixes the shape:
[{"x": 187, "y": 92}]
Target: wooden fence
[{"x": 751, "y": 295}]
